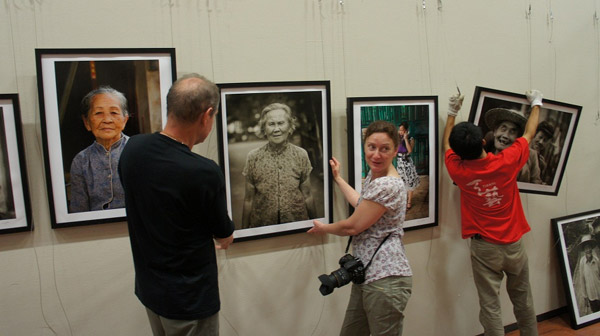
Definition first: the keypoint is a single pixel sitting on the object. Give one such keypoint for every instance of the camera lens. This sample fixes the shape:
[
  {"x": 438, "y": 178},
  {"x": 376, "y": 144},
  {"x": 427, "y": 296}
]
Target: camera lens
[
  {"x": 337, "y": 278},
  {"x": 327, "y": 285}
]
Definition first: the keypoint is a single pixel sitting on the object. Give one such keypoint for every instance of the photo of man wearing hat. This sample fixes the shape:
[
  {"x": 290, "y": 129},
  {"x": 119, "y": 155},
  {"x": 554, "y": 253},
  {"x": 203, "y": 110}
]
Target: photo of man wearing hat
[
  {"x": 587, "y": 276},
  {"x": 506, "y": 126},
  {"x": 541, "y": 144}
]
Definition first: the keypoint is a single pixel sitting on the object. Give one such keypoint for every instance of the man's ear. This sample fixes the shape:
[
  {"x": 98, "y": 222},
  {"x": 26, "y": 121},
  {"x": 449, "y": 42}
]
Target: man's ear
[
  {"x": 207, "y": 115},
  {"x": 483, "y": 142}
]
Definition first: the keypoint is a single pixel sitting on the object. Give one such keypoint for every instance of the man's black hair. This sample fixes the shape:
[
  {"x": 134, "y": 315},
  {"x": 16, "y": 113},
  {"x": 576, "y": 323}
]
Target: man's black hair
[{"x": 466, "y": 140}]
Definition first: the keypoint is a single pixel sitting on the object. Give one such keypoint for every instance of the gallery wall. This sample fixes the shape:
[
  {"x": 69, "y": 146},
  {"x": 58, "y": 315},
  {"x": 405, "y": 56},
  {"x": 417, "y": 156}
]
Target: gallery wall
[{"x": 79, "y": 280}]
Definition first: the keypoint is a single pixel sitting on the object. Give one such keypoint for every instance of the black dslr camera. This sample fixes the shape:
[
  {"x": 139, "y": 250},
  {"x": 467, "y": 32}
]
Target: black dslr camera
[{"x": 352, "y": 269}]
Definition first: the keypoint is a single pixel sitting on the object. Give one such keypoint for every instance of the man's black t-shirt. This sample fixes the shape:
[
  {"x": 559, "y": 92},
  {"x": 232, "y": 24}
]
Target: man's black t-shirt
[{"x": 176, "y": 203}]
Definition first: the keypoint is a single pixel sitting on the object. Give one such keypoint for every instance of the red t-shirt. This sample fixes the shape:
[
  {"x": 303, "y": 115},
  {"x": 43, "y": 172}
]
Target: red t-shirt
[{"x": 490, "y": 204}]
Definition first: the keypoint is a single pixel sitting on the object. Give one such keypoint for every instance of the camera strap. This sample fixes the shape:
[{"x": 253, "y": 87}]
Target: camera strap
[{"x": 374, "y": 253}]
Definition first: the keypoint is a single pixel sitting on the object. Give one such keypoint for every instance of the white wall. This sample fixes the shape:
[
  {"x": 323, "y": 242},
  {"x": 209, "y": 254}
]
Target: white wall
[{"x": 79, "y": 281}]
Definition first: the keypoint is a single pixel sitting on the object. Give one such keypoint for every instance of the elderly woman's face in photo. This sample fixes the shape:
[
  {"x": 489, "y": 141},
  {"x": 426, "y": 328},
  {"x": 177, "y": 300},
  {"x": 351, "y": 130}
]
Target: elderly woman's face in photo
[
  {"x": 277, "y": 126},
  {"x": 505, "y": 135},
  {"x": 105, "y": 119}
]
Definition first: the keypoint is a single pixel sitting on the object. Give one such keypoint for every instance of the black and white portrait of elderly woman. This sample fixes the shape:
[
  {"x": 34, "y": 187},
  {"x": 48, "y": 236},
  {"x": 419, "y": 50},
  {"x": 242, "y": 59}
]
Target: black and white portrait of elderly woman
[
  {"x": 277, "y": 186},
  {"x": 275, "y": 139},
  {"x": 7, "y": 208},
  {"x": 6, "y": 211}
]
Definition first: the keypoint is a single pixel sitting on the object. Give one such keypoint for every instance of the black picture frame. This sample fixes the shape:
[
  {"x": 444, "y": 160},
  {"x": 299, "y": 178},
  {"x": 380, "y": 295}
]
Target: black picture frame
[
  {"x": 240, "y": 110},
  {"x": 578, "y": 242},
  {"x": 550, "y": 158},
  {"x": 15, "y": 204},
  {"x": 65, "y": 76},
  {"x": 421, "y": 113}
]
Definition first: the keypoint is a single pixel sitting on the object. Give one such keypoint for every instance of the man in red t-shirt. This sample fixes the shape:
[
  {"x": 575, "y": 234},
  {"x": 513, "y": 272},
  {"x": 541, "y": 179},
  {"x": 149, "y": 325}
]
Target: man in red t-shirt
[{"x": 492, "y": 215}]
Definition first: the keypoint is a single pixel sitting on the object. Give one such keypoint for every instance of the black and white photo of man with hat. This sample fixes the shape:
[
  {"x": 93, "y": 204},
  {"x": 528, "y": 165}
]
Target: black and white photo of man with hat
[
  {"x": 507, "y": 125},
  {"x": 586, "y": 276},
  {"x": 542, "y": 145}
]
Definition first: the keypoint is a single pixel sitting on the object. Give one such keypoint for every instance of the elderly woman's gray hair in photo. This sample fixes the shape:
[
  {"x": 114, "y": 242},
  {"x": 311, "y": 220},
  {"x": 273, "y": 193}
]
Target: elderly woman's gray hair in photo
[
  {"x": 277, "y": 188},
  {"x": 94, "y": 178}
]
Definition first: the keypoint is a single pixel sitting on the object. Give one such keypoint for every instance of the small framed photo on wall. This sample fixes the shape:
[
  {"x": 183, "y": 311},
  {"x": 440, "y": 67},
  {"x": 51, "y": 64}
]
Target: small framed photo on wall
[
  {"x": 498, "y": 112},
  {"x": 274, "y": 147},
  {"x": 578, "y": 238},
  {"x": 91, "y": 102},
  {"x": 417, "y": 157},
  {"x": 15, "y": 206}
]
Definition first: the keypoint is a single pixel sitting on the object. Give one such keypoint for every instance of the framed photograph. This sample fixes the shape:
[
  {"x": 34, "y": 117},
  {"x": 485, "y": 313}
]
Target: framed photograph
[
  {"x": 15, "y": 206},
  {"x": 502, "y": 117},
  {"x": 578, "y": 238},
  {"x": 416, "y": 119},
  {"x": 274, "y": 147},
  {"x": 91, "y": 102}
]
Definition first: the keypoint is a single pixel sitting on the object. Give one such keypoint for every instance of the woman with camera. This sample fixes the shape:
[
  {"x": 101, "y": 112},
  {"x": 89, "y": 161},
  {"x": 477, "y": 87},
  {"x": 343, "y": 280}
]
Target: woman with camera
[{"x": 377, "y": 305}]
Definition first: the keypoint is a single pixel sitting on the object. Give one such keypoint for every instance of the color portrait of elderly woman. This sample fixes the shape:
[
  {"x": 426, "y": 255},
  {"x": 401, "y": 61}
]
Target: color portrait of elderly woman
[
  {"x": 95, "y": 183},
  {"x": 277, "y": 188}
]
